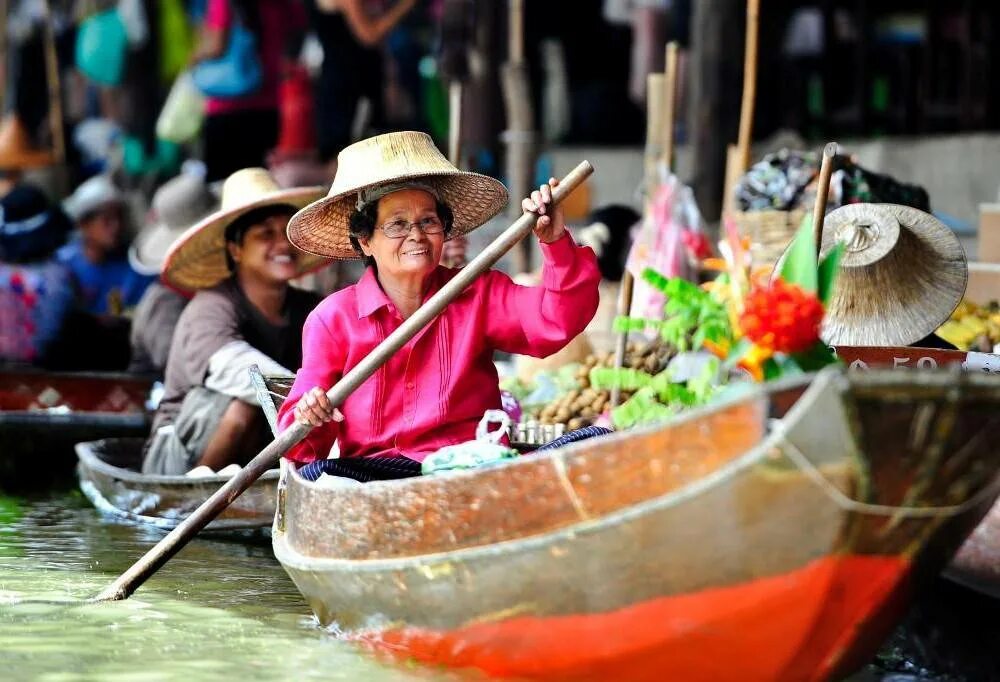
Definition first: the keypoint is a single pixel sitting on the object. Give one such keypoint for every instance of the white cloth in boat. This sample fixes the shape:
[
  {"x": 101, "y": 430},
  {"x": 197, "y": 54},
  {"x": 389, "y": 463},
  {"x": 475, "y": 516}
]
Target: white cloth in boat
[{"x": 228, "y": 370}]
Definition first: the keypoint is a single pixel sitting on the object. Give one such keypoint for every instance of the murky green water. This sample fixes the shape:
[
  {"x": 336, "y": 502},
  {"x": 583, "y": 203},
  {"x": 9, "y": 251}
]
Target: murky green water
[
  {"x": 225, "y": 610},
  {"x": 218, "y": 610}
]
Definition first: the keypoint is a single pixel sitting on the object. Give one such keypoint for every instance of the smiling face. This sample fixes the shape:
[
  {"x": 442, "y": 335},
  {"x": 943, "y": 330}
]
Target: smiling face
[
  {"x": 414, "y": 255},
  {"x": 264, "y": 253}
]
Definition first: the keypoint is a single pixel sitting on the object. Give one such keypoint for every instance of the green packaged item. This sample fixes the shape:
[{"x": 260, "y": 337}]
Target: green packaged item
[{"x": 485, "y": 450}]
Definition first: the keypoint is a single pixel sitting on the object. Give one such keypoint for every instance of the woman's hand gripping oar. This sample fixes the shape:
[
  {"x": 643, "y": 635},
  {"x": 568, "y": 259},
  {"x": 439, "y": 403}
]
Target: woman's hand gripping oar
[{"x": 135, "y": 576}]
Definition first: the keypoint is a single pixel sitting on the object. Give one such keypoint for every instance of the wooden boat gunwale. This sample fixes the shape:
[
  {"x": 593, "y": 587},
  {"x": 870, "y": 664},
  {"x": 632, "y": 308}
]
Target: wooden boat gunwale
[
  {"x": 88, "y": 460},
  {"x": 815, "y": 385},
  {"x": 84, "y": 452}
]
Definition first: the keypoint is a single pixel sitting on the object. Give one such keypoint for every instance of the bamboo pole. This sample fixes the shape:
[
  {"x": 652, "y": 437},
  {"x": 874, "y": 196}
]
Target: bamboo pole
[
  {"x": 669, "y": 104},
  {"x": 519, "y": 137},
  {"x": 749, "y": 85},
  {"x": 655, "y": 97},
  {"x": 157, "y": 556},
  {"x": 822, "y": 193},
  {"x": 455, "y": 122},
  {"x": 515, "y": 32},
  {"x": 455, "y": 145}
]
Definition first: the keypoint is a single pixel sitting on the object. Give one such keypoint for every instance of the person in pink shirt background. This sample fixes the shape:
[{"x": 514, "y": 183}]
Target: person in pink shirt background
[
  {"x": 394, "y": 202},
  {"x": 239, "y": 131}
]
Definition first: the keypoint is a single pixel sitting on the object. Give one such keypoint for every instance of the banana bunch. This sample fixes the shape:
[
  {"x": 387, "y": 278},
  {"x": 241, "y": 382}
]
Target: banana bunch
[{"x": 973, "y": 327}]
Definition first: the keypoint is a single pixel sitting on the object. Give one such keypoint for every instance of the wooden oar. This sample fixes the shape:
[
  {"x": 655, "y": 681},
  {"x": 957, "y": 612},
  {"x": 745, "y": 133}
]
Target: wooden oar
[{"x": 135, "y": 576}]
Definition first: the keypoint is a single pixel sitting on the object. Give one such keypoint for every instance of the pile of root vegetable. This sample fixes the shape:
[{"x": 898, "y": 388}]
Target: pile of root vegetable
[{"x": 582, "y": 405}]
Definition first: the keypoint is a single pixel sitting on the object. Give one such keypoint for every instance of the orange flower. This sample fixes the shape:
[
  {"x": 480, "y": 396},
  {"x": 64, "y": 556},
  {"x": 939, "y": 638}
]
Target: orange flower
[
  {"x": 754, "y": 360},
  {"x": 781, "y": 317}
]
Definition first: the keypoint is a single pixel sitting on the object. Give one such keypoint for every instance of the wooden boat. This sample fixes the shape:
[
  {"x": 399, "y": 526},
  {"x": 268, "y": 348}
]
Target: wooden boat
[
  {"x": 43, "y": 414},
  {"x": 776, "y": 536},
  {"x": 110, "y": 478},
  {"x": 977, "y": 564}
]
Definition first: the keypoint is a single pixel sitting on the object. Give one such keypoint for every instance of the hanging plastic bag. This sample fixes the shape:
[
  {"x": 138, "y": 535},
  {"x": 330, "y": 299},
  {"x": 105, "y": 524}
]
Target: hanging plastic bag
[
  {"x": 177, "y": 39},
  {"x": 165, "y": 159},
  {"x": 661, "y": 243},
  {"x": 237, "y": 72},
  {"x": 101, "y": 44},
  {"x": 297, "y": 114},
  {"x": 133, "y": 17},
  {"x": 486, "y": 449},
  {"x": 183, "y": 112}
]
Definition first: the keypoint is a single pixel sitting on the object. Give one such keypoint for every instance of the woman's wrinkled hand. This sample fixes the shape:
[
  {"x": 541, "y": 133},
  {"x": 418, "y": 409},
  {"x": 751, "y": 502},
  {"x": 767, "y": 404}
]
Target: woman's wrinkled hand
[
  {"x": 315, "y": 409},
  {"x": 549, "y": 226}
]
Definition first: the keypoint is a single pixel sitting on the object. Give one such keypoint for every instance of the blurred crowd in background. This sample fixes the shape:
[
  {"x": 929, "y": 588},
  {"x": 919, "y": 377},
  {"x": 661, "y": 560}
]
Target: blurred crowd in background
[{"x": 122, "y": 118}]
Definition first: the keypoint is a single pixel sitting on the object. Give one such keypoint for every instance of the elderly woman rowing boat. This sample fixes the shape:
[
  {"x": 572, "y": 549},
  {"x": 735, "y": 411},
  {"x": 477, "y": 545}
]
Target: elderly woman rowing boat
[{"x": 394, "y": 202}]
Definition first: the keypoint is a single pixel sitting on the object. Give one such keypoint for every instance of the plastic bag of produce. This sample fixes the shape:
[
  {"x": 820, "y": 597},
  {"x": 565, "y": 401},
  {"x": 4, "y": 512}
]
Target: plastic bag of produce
[
  {"x": 660, "y": 243},
  {"x": 486, "y": 449}
]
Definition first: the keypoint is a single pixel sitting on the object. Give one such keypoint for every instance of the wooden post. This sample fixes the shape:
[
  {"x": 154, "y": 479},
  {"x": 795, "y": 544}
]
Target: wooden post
[
  {"x": 519, "y": 137},
  {"x": 749, "y": 84},
  {"x": 822, "y": 193},
  {"x": 455, "y": 122},
  {"x": 713, "y": 103},
  {"x": 669, "y": 104},
  {"x": 655, "y": 96}
]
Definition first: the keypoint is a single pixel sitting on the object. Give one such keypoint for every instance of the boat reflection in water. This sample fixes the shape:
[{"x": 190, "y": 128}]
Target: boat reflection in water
[{"x": 796, "y": 521}]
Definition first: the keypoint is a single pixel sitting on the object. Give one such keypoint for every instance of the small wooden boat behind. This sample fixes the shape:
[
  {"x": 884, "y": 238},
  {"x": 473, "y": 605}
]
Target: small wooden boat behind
[
  {"x": 977, "y": 564},
  {"x": 776, "y": 536},
  {"x": 111, "y": 480},
  {"x": 43, "y": 414}
]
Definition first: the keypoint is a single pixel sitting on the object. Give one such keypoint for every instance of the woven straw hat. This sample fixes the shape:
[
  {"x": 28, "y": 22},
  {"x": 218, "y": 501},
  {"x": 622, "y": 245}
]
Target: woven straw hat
[
  {"x": 16, "y": 150},
  {"x": 197, "y": 259},
  {"x": 902, "y": 274},
  {"x": 323, "y": 228},
  {"x": 177, "y": 205},
  {"x": 91, "y": 195}
]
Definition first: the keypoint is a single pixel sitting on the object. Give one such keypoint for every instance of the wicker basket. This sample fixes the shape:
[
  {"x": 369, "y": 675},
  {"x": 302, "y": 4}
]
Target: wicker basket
[{"x": 770, "y": 232}]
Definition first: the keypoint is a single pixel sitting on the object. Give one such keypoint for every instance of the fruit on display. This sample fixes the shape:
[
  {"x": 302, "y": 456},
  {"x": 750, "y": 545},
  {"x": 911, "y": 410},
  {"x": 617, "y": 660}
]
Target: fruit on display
[{"x": 973, "y": 327}]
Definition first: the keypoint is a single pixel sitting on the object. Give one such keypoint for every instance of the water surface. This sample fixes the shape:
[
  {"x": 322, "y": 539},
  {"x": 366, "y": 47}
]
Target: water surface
[{"x": 218, "y": 610}]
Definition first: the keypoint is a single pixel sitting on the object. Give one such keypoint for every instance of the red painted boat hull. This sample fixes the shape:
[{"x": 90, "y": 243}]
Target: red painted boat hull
[{"x": 811, "y": 624}]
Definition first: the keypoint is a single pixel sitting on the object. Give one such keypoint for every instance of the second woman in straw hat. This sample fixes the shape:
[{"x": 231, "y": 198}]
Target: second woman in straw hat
[
  {"x": 238, "y": 263},
  {"x": 394, "y": 202}
]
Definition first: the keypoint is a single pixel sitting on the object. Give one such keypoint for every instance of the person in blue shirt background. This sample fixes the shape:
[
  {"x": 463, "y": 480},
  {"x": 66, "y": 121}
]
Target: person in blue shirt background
[{"x": 105, "y": 281}]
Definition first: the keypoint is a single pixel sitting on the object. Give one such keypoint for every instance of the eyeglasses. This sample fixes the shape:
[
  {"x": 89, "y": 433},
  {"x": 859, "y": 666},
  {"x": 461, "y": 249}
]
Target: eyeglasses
[{"x": 397, "y": 229}]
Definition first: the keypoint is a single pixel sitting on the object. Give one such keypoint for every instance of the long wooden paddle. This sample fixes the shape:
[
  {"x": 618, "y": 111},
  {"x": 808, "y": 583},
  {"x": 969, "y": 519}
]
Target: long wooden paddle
[{"x": 150, "y": 562}]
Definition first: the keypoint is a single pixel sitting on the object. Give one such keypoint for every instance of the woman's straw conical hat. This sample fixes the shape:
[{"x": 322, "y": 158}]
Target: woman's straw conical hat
[
  {"x": 323, "y": 227},
  {"x": 197, "y": 260},
  {"x": 902, "y": 274},
  {"x": 16, "y": 150}
]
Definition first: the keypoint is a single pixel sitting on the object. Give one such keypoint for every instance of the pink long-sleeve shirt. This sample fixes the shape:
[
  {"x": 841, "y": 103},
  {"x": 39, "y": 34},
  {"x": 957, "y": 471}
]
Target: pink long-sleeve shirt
[{"x": 434, "y": 391}]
